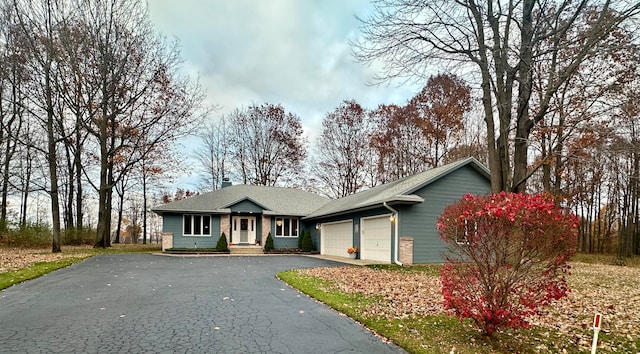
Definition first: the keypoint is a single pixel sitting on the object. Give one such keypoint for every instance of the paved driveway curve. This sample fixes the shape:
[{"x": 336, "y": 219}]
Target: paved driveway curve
[{"x": 155, "y": 304}]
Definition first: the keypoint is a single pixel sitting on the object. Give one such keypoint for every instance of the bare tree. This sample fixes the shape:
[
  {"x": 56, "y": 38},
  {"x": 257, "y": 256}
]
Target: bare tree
[
  {"x": 37, "y": 21},
  {"x": 342, "y": 150},
  {"x": 14, "y": 78},
  {"x": 133, "y": 95},
  {"x": 500, "y": 42},
  {"x": 267, "y": 144},
  {"x": 213, "y": 154}
]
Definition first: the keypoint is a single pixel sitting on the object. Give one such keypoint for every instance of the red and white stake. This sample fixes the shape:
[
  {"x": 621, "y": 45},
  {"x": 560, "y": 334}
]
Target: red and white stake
[{"x": 597, "y": 321}]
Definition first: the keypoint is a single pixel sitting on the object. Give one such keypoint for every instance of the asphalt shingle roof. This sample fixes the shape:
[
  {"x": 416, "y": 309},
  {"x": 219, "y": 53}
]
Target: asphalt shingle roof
[
  {"x": 396, "y": 191},
  {"x": 276, "y": 200},
  {"x": 291, "y": 201}
]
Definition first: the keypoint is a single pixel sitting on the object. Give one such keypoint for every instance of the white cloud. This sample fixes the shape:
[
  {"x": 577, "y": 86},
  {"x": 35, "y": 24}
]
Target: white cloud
[{"x": 292, "y": 52}]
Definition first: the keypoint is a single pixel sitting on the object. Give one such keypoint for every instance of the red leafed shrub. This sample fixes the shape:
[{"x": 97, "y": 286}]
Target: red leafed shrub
[{"x": 507, "y": 256}]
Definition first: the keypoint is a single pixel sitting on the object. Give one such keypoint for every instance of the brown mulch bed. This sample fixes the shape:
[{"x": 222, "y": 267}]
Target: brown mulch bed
[{"x": 613, "y": 291}]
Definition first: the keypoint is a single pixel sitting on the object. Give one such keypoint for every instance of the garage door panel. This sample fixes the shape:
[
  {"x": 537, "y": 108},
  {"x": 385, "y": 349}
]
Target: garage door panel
[
  {"x": 336, "y": 238},
  {"x": 376, "y": 239}
]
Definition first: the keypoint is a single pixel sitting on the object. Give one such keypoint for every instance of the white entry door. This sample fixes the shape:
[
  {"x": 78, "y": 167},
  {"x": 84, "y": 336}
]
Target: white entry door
[{"x": 244, "y": 229}]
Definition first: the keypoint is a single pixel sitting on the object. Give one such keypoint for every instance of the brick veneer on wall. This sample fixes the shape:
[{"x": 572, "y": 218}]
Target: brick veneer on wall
[{"x": 406, "y": 250}]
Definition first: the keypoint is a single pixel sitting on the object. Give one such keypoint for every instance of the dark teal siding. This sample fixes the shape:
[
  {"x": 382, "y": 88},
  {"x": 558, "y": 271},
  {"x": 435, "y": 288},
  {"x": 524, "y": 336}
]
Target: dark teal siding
[
  {"x": 173, "y": 223},
  {"x": 315, "y": 234},
  {"x": 286, "y": 242},
  {"x": 246, "y": 206},
  {"x": 419, "y": 221}
]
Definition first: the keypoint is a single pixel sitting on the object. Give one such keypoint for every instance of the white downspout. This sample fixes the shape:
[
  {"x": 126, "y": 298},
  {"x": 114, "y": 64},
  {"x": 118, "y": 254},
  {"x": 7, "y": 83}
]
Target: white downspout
[{"x": 396, "y": 251}]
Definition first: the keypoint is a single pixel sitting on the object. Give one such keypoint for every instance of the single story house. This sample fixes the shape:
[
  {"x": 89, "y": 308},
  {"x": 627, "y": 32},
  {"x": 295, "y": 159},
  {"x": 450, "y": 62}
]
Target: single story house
[{"x": 390, "y": 223}]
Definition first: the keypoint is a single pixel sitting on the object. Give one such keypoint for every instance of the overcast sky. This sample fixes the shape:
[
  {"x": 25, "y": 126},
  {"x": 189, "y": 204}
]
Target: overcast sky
[{"x": 290, "y": 52}]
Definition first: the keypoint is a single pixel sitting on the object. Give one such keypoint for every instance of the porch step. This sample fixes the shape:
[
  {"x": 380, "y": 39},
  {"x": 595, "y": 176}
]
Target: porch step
[{"x": 248, "y": 249}]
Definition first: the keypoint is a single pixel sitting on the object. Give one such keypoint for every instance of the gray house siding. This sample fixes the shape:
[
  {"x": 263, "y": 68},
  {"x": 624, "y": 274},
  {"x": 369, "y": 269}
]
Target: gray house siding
[
  {"x": 315, "y": 234},
  {"x": 173, "y": 223},
  {"x": 246, "y": 206},
  {"x": 286, "y": 242},
  {"x": 419, "y": 221}
]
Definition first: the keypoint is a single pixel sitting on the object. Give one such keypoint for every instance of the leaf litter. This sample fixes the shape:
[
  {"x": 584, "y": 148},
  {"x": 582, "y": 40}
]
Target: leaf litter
[
  {"x": 13, "y": 258},
  {"x": 611, "y": 290}
]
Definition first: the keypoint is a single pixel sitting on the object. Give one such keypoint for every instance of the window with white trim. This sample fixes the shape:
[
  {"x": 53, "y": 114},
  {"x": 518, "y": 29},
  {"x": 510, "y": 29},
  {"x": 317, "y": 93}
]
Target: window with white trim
[
  {"x": 196, "y": 225},
  {"x": 286, "y": 227},
  {"x": 468, "y": 231}
]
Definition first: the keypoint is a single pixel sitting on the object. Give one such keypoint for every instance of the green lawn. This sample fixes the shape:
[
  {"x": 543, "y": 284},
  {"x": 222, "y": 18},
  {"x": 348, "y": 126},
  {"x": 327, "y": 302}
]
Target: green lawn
[{"x": 41, "y": 268}]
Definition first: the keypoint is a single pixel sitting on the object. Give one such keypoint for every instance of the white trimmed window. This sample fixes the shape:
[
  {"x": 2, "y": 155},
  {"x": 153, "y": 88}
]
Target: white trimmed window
[
  {"x": 196, "y": 225},
  {"x": 469, "y": 230},
  {"x": 286, "y": 227}
]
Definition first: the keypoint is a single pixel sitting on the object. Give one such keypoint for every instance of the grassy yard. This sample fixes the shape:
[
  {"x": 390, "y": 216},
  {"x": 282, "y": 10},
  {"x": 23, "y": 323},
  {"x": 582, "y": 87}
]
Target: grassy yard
[
  {"x": 405, "y": 306},
  {"x": 20, "y": 264}
]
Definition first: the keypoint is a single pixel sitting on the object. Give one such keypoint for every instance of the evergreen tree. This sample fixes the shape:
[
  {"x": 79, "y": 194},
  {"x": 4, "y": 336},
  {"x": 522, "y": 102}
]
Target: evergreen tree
[
  {"x": 307, "y": 242},
  {"x": 268, "y": 245},
  {"x": 300, "y": 237},
  {"x": 222, "y": 243}
]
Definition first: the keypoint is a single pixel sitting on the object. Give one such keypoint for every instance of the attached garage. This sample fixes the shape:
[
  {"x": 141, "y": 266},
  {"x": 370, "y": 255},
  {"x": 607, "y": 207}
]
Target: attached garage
[
  {"x": 375, "y": 239},
  {"x": 336, "y": 237}
]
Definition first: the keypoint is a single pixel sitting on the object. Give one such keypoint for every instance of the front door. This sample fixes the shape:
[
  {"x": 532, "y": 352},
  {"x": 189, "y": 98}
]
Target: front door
[{"x": 244, "y": 229}]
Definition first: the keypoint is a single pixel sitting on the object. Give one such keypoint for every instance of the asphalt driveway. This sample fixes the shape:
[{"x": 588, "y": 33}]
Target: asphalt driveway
[{"x": 156, "y": 304}]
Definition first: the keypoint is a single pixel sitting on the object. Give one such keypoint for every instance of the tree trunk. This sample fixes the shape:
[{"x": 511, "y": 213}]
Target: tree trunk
[
  {"x": 5, "y": 180},
  {"x": 523, "y": 122},
  {"x": 25, "y": 192},
  {"x": 78, "y": 162},
  {"x": 520, "y": 155},
  {"x": 53, "y": 166},
  {"x": 104, "y": 189},
  {"x": 120, "y": 210},
  {"x": 104, "y": 217},
  {"x": 68, "y": 212},
  {"x": 144, "y": 204}
]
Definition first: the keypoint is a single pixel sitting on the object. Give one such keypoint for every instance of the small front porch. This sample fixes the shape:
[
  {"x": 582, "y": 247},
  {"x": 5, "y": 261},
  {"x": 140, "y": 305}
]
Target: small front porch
[{"x": 245, "y": 249}]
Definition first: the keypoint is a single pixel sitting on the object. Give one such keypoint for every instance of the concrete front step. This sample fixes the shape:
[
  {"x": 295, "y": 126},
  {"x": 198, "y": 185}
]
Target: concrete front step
[{"x": 242, "y": 249}]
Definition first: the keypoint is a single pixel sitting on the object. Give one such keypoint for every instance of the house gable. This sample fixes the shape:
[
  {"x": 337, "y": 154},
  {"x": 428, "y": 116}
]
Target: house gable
[
  {"x": 419, "y": 221},
  {"x": 246, "y": 205},
  {"x": 397, "y": 192}
]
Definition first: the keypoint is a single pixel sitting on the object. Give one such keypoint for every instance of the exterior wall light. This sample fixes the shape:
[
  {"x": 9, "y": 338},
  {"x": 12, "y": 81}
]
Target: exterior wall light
[
  {"x": 392, "y": 218},
  {"x": 318, "y": 226}
]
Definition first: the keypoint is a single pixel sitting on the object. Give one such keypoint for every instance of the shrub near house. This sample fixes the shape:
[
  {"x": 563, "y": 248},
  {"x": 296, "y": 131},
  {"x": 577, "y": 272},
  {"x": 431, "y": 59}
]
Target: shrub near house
[{"x": 507, "y": 256}]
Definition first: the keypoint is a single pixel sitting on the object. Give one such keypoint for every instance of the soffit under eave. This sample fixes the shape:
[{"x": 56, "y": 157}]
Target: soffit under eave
[{"x": 397, "y": 200}]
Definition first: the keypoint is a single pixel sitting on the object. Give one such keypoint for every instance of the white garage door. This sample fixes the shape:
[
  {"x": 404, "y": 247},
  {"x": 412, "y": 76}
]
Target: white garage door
[
  {"x": 335, "y": 238},
  {"x": 375, "y": 239}
]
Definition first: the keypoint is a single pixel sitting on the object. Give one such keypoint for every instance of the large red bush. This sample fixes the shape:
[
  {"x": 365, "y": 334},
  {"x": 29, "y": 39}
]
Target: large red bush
[{"x": 507, "y": 256}]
